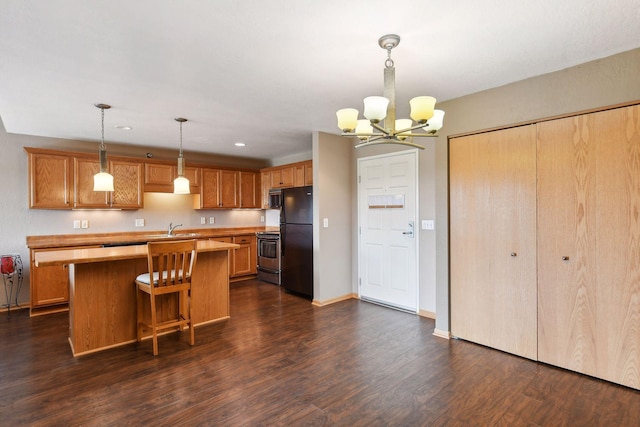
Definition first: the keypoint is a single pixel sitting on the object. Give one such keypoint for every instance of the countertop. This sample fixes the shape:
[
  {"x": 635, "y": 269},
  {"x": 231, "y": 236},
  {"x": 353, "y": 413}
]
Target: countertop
[
  {"x": 89, "y": 255},
  {"x": 70, "y": 240}
]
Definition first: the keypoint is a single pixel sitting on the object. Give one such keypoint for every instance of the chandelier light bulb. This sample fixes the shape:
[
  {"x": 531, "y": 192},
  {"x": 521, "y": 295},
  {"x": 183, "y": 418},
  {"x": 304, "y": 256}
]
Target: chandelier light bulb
[
  {"x": 436, "y": 122},
  {"x": 402, "y": 124},
  {"x": 375, "y": 108},
  {"x": 422, "y": 108},
  {"x": 347, "y": 119},
  {"x": 364, "y": 129}
]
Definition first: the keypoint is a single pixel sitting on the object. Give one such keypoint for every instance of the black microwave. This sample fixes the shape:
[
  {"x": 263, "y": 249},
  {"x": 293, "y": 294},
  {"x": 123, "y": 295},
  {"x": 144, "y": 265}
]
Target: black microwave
[{"x": 275, "y": 198}]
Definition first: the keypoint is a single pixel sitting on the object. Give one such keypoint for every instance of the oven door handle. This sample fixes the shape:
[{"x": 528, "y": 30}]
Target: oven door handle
[{"x": 268, "y": 270}]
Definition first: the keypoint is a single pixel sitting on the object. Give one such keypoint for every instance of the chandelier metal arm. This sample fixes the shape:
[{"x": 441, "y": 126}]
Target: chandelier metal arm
[{"x": 386, "y": 142}]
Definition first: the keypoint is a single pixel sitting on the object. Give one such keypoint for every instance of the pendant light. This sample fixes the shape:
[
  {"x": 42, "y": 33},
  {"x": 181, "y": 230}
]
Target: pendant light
[
  {"x": 103, "y": 180},
  {"x": 181, "y": 184}
]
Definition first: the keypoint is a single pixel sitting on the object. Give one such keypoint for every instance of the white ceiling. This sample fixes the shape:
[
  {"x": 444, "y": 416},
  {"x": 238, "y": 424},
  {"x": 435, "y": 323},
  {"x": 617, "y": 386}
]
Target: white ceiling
[{"x": 269, "y": 72}]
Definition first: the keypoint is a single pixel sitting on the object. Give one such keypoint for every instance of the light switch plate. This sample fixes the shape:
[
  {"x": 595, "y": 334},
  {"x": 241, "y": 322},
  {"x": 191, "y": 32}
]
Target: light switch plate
[
  {"x": 76, "y": 223},
  {"x": 85, "y": 223},
  {"x": 325, "y": 222},
  {"x": 428, "y": 224},
  {"x": 139, "y": 222}
]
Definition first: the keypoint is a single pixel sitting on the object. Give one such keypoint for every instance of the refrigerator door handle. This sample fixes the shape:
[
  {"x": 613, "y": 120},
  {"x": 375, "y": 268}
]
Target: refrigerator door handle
[{"x": 283, "y": 239}]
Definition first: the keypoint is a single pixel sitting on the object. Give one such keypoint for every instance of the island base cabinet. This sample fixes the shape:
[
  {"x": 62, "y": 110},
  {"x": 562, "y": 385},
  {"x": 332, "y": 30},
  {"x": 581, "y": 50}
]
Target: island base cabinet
[{"x": 102, "y": 307}]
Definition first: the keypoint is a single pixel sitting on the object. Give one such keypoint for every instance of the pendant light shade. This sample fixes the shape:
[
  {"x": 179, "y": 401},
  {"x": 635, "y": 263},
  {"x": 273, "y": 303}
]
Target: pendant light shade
[
  {"x": 181, "y": 184},
  {"x": 103, "y": 180}
]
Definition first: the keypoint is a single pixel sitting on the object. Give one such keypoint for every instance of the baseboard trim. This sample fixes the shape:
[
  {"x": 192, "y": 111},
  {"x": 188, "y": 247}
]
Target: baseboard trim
[
  {"x": 428, "y": 314},
  {"x": 334, "y": 300},
  {"x": 442, "y": 334}
]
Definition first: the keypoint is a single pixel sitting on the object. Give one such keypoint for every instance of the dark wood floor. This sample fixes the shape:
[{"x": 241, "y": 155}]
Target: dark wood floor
[{"x": 281, "y": 361}]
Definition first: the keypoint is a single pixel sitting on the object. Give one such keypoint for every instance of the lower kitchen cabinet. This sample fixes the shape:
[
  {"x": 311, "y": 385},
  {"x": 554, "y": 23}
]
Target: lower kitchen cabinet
[
  {"x": 243, "y": 260},
  {"x": 48, "y": 286}
]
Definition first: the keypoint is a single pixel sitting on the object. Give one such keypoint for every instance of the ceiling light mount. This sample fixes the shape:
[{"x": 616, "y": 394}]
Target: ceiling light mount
[{"x": 382, "y": 109}]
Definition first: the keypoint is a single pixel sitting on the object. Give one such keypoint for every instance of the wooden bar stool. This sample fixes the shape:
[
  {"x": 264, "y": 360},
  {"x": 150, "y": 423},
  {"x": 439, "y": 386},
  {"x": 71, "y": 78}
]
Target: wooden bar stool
[{"x": 170, "y": 267}]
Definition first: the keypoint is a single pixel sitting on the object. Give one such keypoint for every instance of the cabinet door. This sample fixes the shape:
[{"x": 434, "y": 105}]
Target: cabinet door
[
  {"x": 83, "y": 194},
  {"x": 229, "y": 189},
  {"x": 244, "y": 257},
  {"x": 159, "y": 177},
  {"x": 298, "y": 175},
  {"x": 127, "y": 183},
  {"x": 282, "y": 177},
  {"x": 48, "y": 285},
  {"x": 493, "y": 239},
  {"x": 50, "y": 181},
  {"x": 308, "y": 174},
  {"x": 249, "y": 188},
  {"x": 265, "y": 185},
  {"x": 193, "y": 175},
  {"x": 209, "y": 193}
]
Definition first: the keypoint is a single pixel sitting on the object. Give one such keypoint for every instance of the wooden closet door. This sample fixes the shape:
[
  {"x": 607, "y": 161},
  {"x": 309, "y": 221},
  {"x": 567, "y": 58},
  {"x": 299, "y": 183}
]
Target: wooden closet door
[
  {"x": 618, "y": 245},
  {"x": 567, "y": 243},
  {"x": 493, "y": 239}
]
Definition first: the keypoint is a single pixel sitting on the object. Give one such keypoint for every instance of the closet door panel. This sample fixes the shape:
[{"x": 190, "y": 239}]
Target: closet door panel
[
  {"x": 566, "y": 243},
  {"x": 493, "y": 249},
  {"x": 618, "y": 245}
]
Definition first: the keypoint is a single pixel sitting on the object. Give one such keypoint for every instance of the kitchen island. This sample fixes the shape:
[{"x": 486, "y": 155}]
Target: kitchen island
[{"x": 102, "y": 295}]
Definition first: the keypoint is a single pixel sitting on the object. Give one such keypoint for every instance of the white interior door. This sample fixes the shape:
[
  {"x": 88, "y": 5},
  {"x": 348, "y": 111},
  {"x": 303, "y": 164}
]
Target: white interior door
[{"x": 387, "y": 216}]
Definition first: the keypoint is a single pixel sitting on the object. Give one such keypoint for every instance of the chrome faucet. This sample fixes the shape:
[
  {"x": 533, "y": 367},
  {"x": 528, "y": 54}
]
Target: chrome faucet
[{"x": 172, "y": 227}]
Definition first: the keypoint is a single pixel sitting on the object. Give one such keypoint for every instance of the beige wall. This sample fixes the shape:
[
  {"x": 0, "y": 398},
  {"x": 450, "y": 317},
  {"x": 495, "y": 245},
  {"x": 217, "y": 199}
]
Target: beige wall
[{"x": 332, "y": 199}]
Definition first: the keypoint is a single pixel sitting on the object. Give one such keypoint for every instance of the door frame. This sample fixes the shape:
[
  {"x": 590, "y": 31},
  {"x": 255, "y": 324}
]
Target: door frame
[{"x": 416, "y": 228}]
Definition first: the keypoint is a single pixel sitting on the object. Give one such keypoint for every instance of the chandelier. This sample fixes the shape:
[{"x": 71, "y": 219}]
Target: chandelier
[
  {"x": 380, "y": 125},
  {"x": 181, "y": 184},
  {"x": 103, "y": 180}
]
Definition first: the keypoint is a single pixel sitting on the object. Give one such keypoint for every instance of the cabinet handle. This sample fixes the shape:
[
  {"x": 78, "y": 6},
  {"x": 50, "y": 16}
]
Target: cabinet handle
[
  {"x": 565, "y": 258},
  {"x": 514, "y": 254}
]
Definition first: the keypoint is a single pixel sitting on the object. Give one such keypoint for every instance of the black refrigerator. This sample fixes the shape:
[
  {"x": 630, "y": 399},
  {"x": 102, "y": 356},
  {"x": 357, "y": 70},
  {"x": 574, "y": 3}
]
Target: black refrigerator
[{"x": 296, "y": 240}]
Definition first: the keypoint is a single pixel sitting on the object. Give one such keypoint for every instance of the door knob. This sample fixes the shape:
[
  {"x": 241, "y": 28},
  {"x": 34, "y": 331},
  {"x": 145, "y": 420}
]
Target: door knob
[
  {"x": 514, "y": 254},
  {"x": 565, "y": 258}
]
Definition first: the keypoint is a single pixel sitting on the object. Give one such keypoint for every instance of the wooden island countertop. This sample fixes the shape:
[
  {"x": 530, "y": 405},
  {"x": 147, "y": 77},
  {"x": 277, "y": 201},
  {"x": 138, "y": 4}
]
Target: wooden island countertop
[
  {"x": 116, "y": 253},
  {"x": 102, "y": 295}
]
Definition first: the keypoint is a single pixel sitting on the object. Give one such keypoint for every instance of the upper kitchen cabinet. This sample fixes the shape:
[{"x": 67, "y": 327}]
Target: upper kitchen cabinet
[
  {"x": 282, "y": 177},
  {"x": 59, "y": 180},
  {"x": 50, "y": 180},
  {"x": 127, "y": 183},
  {"x": 249, "y": 189},
  {"x": 292, "y": 175},
  {"x": 158, "y": 177},
  {"x": 219, "y": 189},
  {"x": 265, "y": 185},
  {"x": 303, "y": 174}
]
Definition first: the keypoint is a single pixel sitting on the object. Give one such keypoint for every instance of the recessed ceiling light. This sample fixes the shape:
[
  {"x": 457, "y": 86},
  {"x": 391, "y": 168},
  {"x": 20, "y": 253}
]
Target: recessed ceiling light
[
  {"x": 240, "y": 144},
  {"x": 123, "y": 127}
]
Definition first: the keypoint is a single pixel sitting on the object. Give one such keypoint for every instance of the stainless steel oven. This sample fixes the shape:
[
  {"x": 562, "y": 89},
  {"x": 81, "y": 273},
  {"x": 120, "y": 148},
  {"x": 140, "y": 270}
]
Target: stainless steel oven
[{"x": 269, "y": 256}]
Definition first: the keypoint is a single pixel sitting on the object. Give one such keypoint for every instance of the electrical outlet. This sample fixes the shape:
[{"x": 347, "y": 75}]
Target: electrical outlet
[
  {"x": 203, "y": 220},
  {"x": 212, "y": 220},
  {"x": 76, "y": 223},
  {"x": 261, "y": 218},
  {"x": 140, "y": 222},
  {"x": 85, "y": 223},
  {"x": 325, "y": 222}
]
